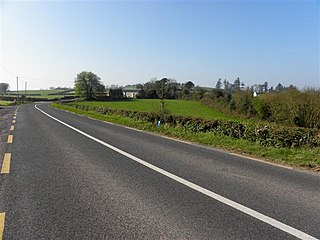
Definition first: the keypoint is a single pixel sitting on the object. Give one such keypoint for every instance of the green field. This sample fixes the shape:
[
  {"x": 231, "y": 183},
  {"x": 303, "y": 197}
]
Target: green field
[
  {"x": 176, "y": 107},
  {"x": 42, "y": 93},
  {"x": 6, "y": 103}
]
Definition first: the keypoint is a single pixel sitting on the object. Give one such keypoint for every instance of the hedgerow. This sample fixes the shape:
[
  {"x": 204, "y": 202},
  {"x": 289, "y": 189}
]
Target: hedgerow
[{"x": 266, "y": 135}]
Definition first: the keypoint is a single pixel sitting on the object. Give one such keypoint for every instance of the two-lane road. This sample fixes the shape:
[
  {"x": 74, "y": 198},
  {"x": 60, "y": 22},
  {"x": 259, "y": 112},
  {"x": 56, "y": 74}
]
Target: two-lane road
[{"x": 76, "y": 178}]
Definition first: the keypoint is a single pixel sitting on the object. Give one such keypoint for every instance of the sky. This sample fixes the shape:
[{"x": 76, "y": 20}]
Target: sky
[{"x": 47, "y": 43}]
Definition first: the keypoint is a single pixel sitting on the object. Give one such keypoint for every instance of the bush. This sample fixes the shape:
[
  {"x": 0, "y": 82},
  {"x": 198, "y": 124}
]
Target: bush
[
  {"x": 290, "y": 107},
  {"x": 275, "y": 136},
  {"x": 241, "y": 101}
]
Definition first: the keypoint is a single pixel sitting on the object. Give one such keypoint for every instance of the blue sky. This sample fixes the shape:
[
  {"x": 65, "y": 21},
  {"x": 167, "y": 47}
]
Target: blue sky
[{"x": 127, "y": 42}]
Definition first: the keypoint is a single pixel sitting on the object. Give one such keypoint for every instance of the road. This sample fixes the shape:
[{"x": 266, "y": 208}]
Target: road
[{"x": 85, "y": 179}]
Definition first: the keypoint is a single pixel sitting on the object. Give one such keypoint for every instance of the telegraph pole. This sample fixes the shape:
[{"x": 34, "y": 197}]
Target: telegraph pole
[
  {"x": 17, "y": 89},
  {"x": 25, "y": 91}
]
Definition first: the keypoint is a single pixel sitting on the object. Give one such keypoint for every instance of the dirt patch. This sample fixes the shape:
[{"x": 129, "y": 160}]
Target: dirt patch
[{"x": 6, "y": 115}]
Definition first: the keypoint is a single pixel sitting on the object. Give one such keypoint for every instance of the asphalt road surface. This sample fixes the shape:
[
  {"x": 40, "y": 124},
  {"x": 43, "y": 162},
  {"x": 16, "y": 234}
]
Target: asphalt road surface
[{"x": 76, "y": 178}]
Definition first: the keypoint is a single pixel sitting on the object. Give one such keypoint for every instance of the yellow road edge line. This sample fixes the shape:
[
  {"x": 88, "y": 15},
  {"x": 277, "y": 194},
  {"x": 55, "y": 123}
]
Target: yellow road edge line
[
  {"x": 2, "y": 220},
  {"x": 6, "y": 163},
  {"x": 10, "y": 139},
  {"x": 12, "y": 128}
]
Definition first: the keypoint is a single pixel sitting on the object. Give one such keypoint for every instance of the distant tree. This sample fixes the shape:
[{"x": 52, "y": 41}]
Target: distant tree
[
  {"x": 151, "y": 93},
  {"x": 139, "y": 86},
  {"x": 219, "y": 84},
  {"x": 279, "y": 87},
  {"x": 226, "y": 84},
  {"x": 237, "y": 84},
  {"x": 149, "y": 86},
  {"x": 265, "y": 85},
  {"x": 162, "y": 87},
  {"x": 116, "y": 93},
  {"x": 188, "y": 85},
  {"x": 141, "y": 94},
  {"x": 88, "y": 85},
  {"x": 4, "y": 88},
  {"x": 292, "y": 87}
]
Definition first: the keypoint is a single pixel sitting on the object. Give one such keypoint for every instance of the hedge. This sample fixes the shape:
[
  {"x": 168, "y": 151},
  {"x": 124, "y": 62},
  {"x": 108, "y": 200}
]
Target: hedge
[{"x": 266, "y": 135}]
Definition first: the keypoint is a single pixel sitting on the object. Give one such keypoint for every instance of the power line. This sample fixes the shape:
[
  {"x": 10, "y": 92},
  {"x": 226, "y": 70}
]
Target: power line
[
  {"x": 41, "y": 79},
  {"x": 4, "y": 68},
  {"x": 31, "y": 78}
]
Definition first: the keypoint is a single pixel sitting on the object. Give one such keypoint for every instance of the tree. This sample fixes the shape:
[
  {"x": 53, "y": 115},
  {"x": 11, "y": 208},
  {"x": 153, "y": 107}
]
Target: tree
[
  {"x": 151, "y": 93},
  {"x": 141, "y": 94},
  {"x": 236, "y": 84},
  {"x": 88, "y": 85},
  {"x": 227, "y": 85},
  {"x": 279, "y": 87},
  {"x": 198, "y": 93},
  {"x": 116, "y": 93},
  {"x": 162, "y": 87},
  {"x": 219, "y": 84},
  {"x": 265, "y": 86},
  {"x": 3, "y": 88}
]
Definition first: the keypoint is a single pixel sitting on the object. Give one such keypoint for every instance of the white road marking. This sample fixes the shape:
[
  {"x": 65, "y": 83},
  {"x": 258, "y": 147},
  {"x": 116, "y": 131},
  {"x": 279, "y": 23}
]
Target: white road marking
[{"x": 273, "y": 222}]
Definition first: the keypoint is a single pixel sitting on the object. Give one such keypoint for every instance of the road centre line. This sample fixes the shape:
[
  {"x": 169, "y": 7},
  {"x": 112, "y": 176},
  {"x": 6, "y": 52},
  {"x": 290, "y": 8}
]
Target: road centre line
[
  {"x": 2, "y": 220},
  {"x": 12, "y": 128},
  {"x": 273, "y": 222},
  {"x": 6, "y": 163},
  {"x": 13, "y": 121},
  {"x": 10, "y": 139},
  {"x": 14, "y": 117}
]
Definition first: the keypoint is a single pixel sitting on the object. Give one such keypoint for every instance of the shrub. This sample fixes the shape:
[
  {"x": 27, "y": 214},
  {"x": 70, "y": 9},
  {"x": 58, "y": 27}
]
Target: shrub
[
  {"x": 266, "y": 135},
  {"x": 242, "y": 102}
]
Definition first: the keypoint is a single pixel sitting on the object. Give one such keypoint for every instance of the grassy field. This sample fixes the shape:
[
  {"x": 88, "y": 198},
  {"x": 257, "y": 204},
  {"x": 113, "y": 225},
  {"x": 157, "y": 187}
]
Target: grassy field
[
  {"x": 302, "y": 157},
  {"x": 6, "y": 103},
  {"x": 41, "y": 93},
  {"x": 176, "y": 107}
]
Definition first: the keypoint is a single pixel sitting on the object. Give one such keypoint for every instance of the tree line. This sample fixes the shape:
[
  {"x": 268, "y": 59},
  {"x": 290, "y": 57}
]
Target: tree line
[{"x": 89, "y": 86}]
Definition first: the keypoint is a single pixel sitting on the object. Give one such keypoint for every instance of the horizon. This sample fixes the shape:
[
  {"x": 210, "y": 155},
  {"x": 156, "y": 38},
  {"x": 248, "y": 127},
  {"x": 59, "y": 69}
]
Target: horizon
[{"x": 48, "y": 43}]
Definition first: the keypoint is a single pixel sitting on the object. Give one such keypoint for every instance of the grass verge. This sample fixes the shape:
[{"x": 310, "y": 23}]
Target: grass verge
[
  {"x": 302, "y": 157},
  {"x": 7, "y": 103}
]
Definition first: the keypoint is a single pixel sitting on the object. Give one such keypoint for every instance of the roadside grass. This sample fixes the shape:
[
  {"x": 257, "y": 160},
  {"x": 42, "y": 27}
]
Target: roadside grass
[
  {"x": 175, "y": 107},
  {"x": 6, "y": 103},
  {"x": 302, "y": 157}
]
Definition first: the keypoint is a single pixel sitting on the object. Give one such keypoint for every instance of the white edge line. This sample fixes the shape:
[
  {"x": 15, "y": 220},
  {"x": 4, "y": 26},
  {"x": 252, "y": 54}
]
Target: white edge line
[{"x": 275, "y": 223}]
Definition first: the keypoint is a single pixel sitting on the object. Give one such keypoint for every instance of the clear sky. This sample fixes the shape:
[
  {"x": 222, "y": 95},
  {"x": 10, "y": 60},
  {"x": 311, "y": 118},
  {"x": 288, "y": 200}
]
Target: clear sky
[{"x": 48, "y": 43}]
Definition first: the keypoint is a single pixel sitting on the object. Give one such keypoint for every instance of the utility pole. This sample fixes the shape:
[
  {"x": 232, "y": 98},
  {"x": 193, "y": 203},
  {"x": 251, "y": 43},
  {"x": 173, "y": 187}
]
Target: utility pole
[
  {"x": 17, "y": 89},
  {"x": 25, "y": 90}
]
